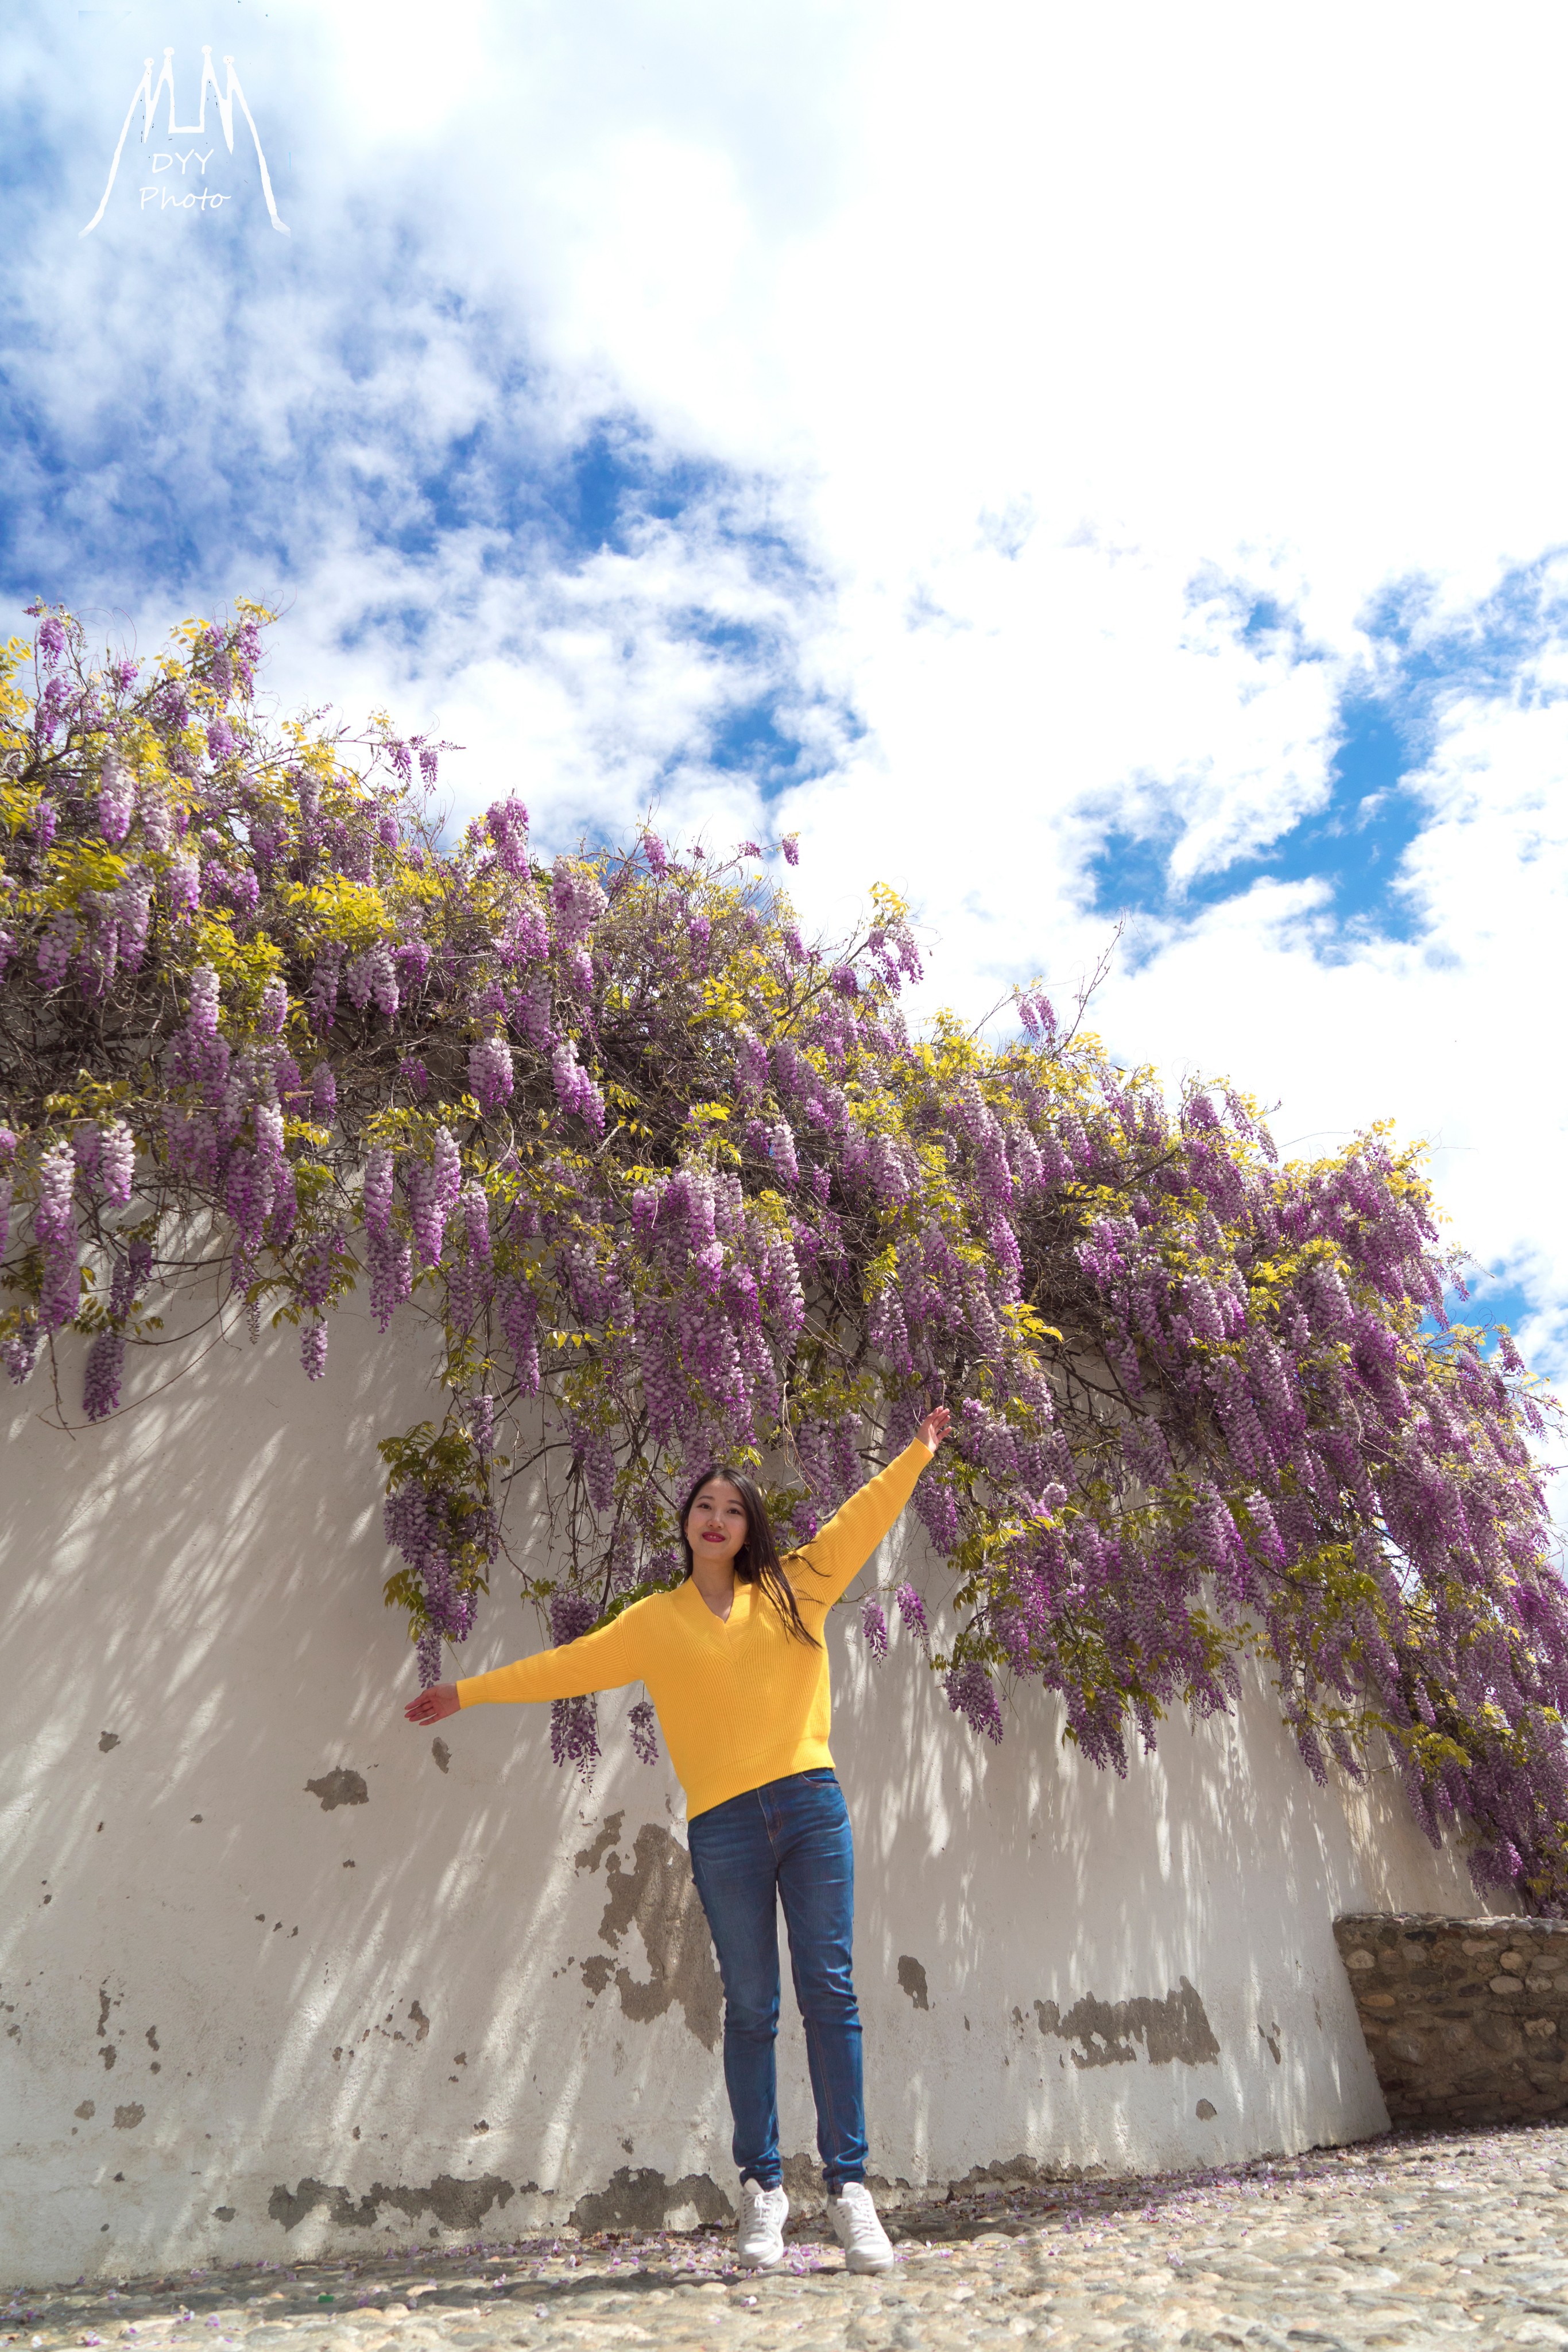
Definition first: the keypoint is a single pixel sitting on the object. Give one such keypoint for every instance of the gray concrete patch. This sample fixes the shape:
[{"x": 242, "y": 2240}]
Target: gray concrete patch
[
  {"x": 341, "y": 1786},
  {"x": 911, "y": 1980},
  {"x": 645, "y": 2200},
  {"x": 658, "y": 1898},
  {"x": 452, "y": 2204},
  {"x": 1106, "y": 2032}
]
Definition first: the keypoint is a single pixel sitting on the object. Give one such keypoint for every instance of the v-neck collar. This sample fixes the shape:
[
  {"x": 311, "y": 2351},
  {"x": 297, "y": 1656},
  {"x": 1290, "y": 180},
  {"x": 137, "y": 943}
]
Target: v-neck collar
[{"x": 722, "y": 1628}]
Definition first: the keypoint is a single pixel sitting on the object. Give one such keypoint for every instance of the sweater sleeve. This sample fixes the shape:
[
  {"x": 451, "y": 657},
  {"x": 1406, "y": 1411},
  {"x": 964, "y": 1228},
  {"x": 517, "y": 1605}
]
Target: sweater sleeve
[
  {"x": 842, "y": 1549},
  {"x": 603, "y": 1661}
]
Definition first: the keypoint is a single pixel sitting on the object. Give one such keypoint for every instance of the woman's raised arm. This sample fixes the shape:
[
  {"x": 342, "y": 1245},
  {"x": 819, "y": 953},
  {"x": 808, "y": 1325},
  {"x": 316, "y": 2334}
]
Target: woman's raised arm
[
  {"x": 837, "y": 1553},
  {"x": 605, "y": 1660}
]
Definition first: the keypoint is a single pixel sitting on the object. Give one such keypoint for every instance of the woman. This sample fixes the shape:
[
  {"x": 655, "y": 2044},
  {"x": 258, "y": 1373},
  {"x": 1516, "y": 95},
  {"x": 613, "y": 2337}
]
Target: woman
[{"x": 733, "y": 1662}]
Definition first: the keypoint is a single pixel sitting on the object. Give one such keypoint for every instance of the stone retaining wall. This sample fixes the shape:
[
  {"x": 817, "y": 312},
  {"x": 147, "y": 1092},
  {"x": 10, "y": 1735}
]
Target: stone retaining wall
[{"x": 1466, "y": 2020}]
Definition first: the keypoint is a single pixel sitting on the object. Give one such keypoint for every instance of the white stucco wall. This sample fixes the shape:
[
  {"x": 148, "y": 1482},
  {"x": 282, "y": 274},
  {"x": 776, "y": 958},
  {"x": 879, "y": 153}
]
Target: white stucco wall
[{"x": 239, "y": 2017}]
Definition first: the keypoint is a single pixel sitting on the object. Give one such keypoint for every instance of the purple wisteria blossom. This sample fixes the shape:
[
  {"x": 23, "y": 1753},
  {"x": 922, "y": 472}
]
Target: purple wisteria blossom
[
  {"x": 19, "y": 1350},
  {"x": 475, "y": 1207},
  {"x": 574, "y": 1085},
  {"x": 667, "y": 1181},
  {"x": 116, "y": 1163},
  {"x": 378, "y": 1192},
  {"x": 574, "y": 1722},
  {"x": 183, "y": 882},
  {"x": 578, "y": 901},
  {"x": 103, "y": 1374},
  {"x": 391, "y": 1268},
  {"x": 912, "y": 1610},
  {"x": 326, "y": 978},
  {"x": 116, "y": 799},
  {"x": 490, "y": 1073},
  {"x": 55, "y": 1235},
  {"x": 371, "y": 978},
  {"x": 57, "y": 946},
  {"x": 203, "y": 1017},
  {"x": 970, "y": 1693},
  {"x": 508, "y": 825}
]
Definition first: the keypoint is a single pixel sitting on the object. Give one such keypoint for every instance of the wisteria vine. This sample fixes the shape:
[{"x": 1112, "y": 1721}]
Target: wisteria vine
[{"x": 674, "y": 1182}]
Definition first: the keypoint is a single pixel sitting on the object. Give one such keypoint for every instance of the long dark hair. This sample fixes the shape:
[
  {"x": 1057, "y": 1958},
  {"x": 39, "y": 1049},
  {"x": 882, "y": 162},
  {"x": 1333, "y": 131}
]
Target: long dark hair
[{"x": 757, "y": 1561}]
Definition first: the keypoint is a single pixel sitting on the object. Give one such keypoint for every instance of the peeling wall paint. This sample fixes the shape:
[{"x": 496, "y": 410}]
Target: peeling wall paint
[
  {"x": 279, "y": 1974},
  {"x": 343, "y": 1787},
  {"x": 657, "y": 1897},
  {"x": 644, "y": 2200},
  {"x": 454, "y": 2204},
  {"x": 1107, "y": 2033},
  {"x": 911, "y": 1980}
]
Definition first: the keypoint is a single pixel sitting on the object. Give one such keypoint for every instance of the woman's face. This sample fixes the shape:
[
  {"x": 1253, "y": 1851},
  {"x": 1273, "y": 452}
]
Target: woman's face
[{"x": 716, "y": 1524}]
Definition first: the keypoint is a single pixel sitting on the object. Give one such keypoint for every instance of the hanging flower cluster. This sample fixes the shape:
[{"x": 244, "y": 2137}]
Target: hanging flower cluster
[{"x": 675, "y": 1185}]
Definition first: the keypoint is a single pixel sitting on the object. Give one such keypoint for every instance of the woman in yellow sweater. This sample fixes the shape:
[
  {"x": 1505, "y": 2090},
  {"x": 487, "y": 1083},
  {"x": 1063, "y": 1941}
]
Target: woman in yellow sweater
[{"x": 734, "y": 1662}]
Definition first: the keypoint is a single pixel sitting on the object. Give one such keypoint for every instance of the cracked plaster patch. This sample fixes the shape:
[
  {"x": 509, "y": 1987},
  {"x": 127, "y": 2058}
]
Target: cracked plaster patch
[
  {"x": 658, "y": 1898},
  {"x": 454, "y": 2204},
  {"x": 343, "y": 1787},
  {"x": 1106, "y": 2032}
]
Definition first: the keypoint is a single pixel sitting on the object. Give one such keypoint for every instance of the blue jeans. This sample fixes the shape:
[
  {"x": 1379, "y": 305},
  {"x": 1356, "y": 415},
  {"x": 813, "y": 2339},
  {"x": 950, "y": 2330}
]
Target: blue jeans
[{"x": 790, "y": 1840}]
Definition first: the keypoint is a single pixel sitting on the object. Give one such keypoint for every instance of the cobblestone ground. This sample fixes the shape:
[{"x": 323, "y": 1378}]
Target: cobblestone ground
[{"x": 1416, "y": 2239}]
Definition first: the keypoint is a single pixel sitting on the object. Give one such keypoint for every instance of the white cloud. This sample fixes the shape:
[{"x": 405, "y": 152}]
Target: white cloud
[
  {"x": 1030, "y": 332},
  {"x": 1453, "y": 1035}
]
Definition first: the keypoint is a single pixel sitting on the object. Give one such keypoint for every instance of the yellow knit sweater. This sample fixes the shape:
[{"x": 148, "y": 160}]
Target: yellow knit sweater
[{"x": 741, "y": 1701}]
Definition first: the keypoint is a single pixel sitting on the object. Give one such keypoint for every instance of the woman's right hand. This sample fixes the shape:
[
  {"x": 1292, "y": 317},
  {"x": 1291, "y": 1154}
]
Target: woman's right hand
[{"x": 434, "y": 1705}]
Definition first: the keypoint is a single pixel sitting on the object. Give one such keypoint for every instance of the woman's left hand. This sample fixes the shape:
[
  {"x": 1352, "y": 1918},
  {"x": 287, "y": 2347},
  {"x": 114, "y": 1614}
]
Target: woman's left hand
[
  {"x": 935, "y": 1428},
  {"x": 434, "y": 1705}
]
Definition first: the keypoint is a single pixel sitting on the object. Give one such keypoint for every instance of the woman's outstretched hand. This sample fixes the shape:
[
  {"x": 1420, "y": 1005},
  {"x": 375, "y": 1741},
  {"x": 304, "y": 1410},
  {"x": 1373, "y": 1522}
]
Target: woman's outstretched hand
[
  {"x": 434, "y": 1705},
  {"x": 935, "y": 1428}
]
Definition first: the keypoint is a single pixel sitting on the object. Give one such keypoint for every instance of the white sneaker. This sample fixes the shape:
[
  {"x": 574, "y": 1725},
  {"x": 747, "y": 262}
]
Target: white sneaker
[
  {"x": 858, "y": 2231},
  {"x": 759, "y": 2241}
]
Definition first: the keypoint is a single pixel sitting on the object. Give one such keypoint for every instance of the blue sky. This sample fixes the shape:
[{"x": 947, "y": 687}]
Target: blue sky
[
  {"x": 1074, "y": 468},
  {"x": 1353, "y": 842},
  {"x": 1387, "y": 720}
]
